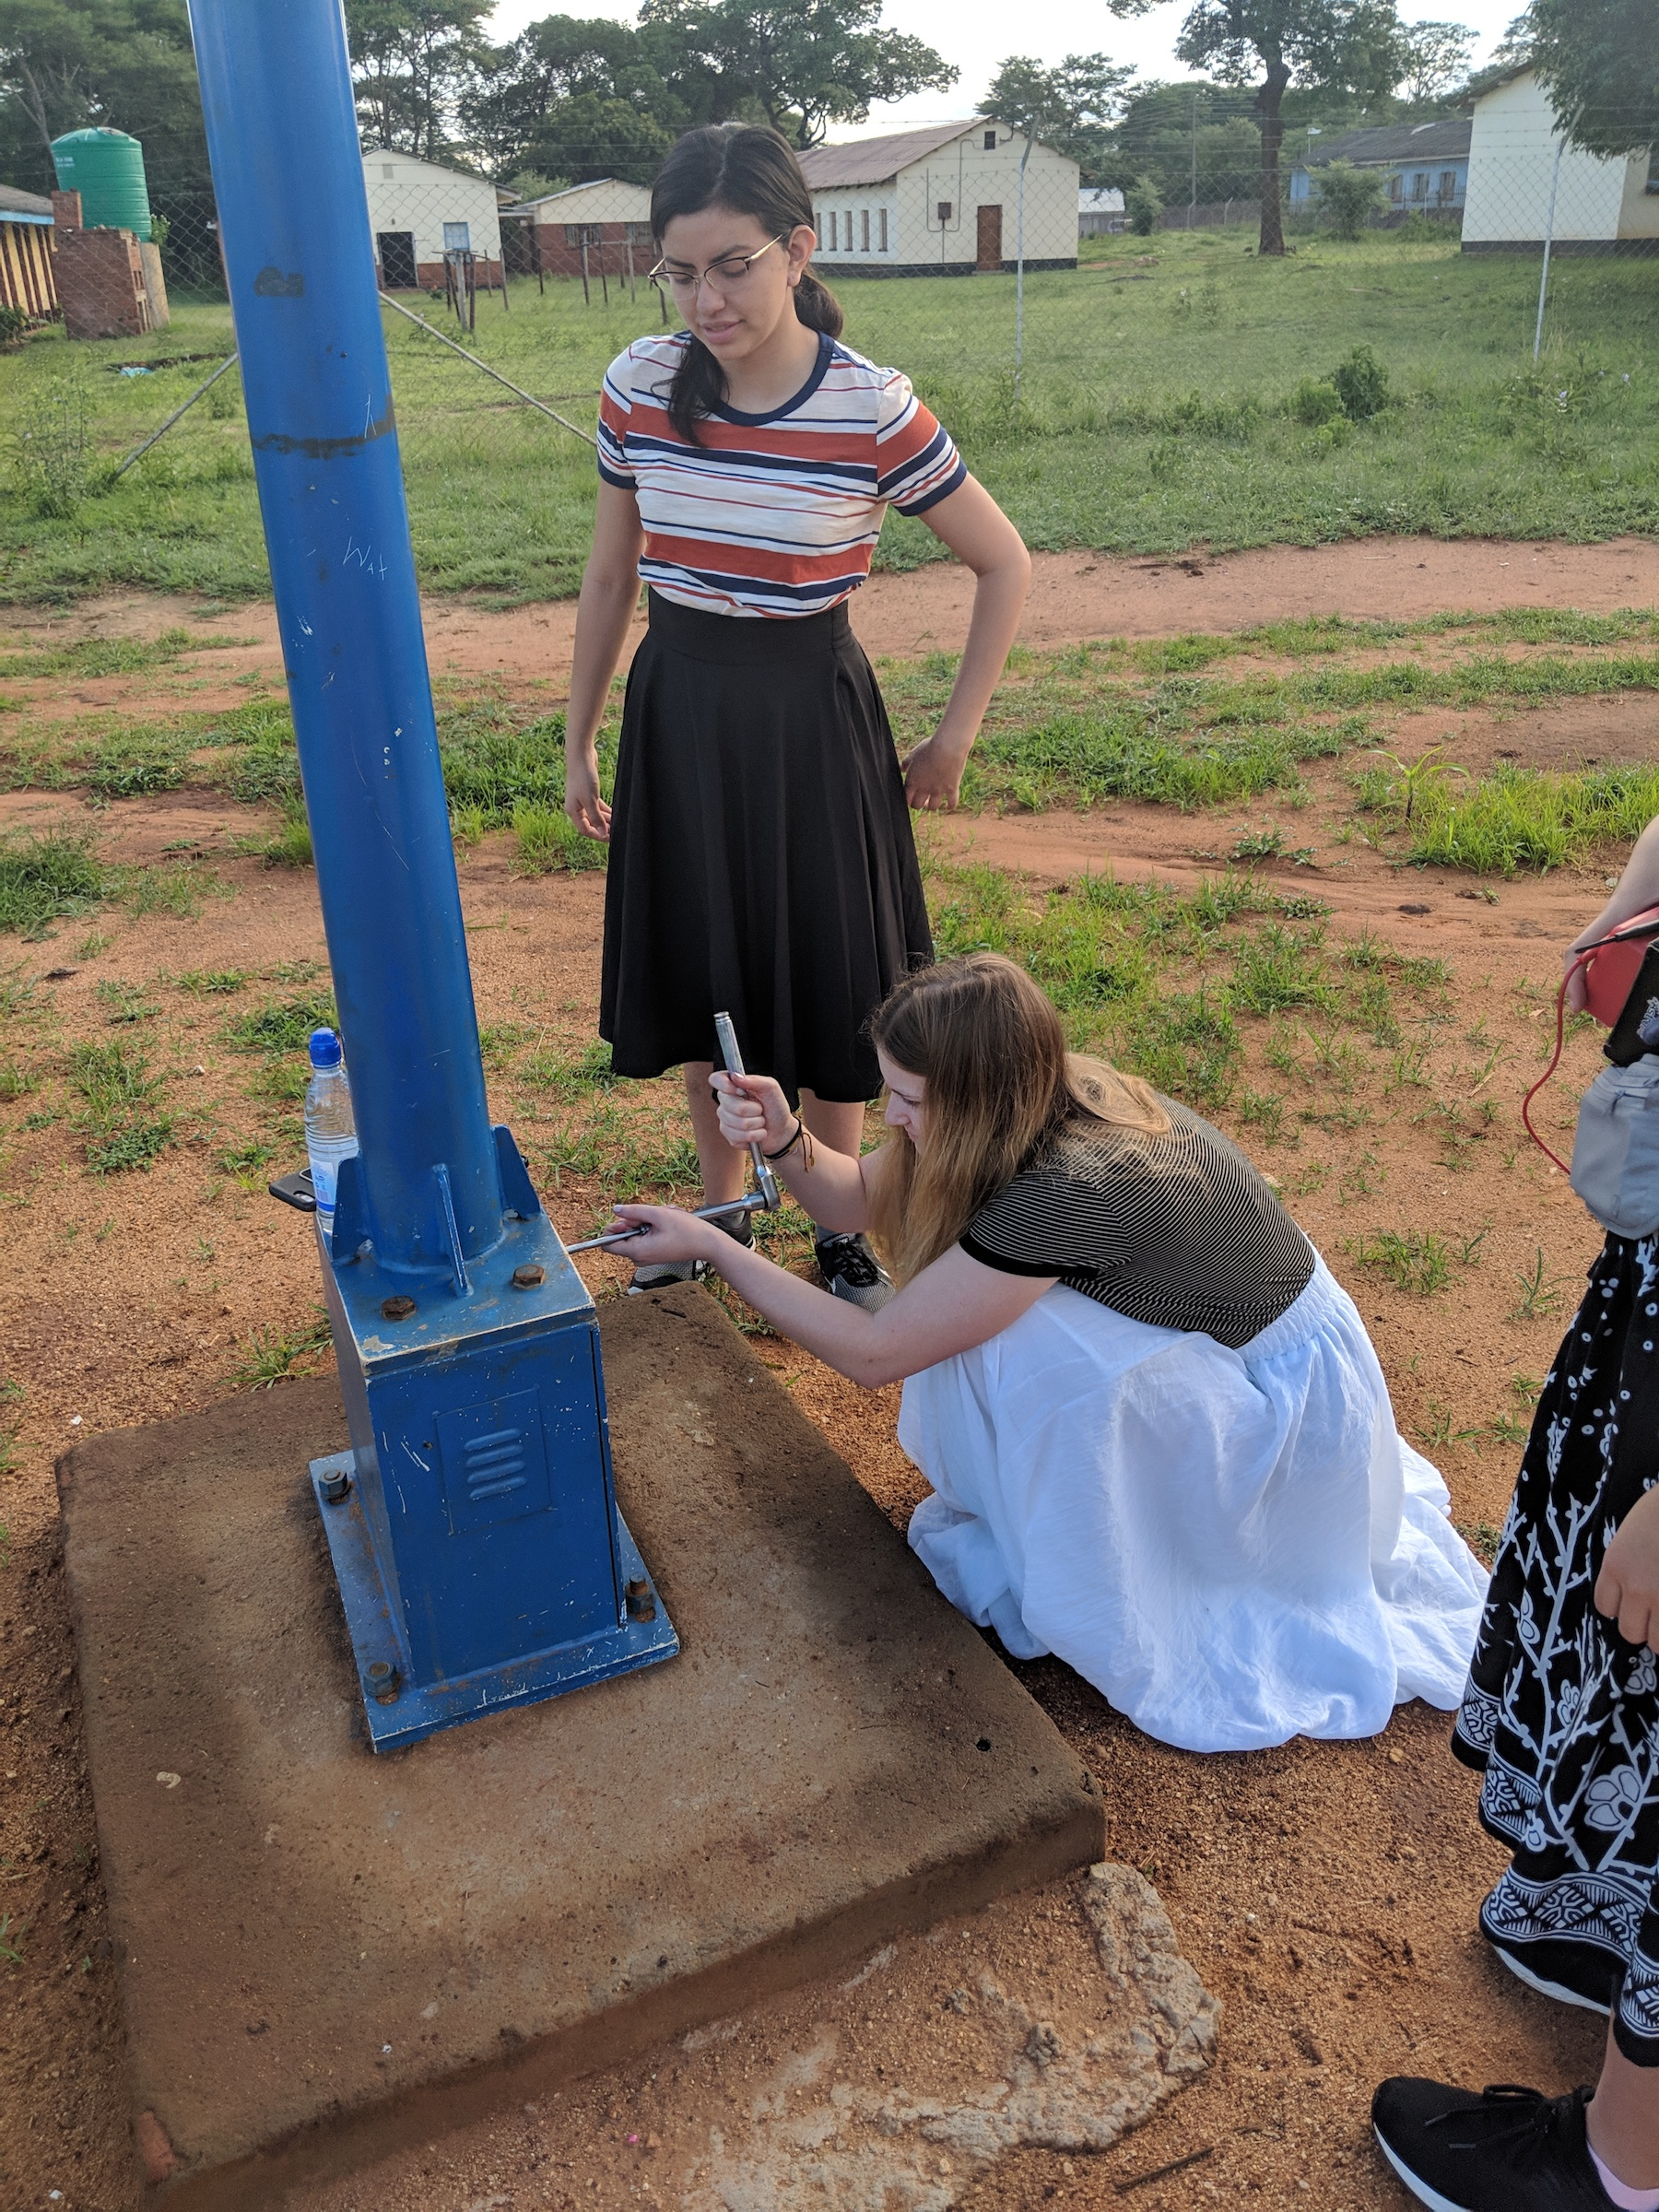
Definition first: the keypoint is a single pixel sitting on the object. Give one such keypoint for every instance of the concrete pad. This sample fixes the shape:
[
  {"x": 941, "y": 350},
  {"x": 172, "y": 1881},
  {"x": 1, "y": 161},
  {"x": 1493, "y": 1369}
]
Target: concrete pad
[{"x": 324, "y": 1954}]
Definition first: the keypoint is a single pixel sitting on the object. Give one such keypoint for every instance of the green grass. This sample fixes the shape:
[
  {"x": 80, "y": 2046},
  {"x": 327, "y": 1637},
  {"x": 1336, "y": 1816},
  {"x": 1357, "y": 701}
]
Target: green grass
[
  {"x": 271, "y": 1355},
  {"x": 1142, "y": 425},
  {"x": 1530, "y": 818},
  {"x": 1165, "y": 982},
  {"x": 281, "y": 1026},
  {"x": 44, "y": 877},
  {"x": 120, "y": 1118}
]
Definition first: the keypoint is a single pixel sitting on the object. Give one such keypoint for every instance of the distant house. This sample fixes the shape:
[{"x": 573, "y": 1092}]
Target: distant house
[
  {"x": 418, "y": 212},
  {"x": 25, "y": 255},
  {"x": 1100, "y": 211},
  {"x": 1424, "y": 165},
  {"x": 941, "y": 202},
  {"x": 1599, "y": 206},
  {"x": 611, "y": 218}
]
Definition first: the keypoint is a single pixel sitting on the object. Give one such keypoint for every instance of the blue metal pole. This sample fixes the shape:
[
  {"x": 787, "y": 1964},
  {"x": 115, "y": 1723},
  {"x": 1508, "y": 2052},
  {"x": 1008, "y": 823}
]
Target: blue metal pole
[
  {"x": 294, "y": 222},
  {"x": 473, "y": 1524}
]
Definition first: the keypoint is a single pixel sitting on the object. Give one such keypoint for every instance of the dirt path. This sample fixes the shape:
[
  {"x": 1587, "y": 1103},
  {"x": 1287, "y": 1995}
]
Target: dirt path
[
  {"x": 1326, "y": 1892},
  {"x": 1073, "y": 596}
]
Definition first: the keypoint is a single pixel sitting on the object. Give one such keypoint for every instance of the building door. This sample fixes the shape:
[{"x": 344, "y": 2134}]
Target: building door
[
  {"x": 990, "y": 238},
  {"x": 397, "y": 251}
]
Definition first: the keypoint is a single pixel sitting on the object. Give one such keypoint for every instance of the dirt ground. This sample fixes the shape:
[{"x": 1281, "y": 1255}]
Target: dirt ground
[{"x": 1325, "y": 1892}]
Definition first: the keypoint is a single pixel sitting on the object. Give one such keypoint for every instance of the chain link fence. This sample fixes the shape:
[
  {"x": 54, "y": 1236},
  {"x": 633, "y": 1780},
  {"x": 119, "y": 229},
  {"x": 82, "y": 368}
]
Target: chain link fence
[{"x": 1116, "y": 369}]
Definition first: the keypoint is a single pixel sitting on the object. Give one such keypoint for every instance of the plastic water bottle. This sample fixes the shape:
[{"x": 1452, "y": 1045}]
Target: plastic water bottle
[{"x": 330, "y": 1130}]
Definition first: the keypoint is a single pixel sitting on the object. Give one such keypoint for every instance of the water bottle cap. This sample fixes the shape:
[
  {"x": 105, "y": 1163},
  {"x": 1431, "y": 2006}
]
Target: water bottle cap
[{"x": 324, "y": 1049}]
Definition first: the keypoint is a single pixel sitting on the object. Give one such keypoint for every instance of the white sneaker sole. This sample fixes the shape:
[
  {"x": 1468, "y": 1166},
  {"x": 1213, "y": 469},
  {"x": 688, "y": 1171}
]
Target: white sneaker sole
[
  {"x": 1561, "y": 1994},
  {"x": 1419, "y": 2189}
]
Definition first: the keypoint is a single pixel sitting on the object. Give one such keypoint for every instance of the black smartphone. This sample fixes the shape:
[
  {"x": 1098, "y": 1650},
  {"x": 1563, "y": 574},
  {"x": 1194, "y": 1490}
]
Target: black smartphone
[{"x": 295, "y": 1189}]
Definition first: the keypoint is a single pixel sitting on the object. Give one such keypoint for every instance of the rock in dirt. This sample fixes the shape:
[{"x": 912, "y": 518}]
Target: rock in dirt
[{"x": 1001, "y": 2065}]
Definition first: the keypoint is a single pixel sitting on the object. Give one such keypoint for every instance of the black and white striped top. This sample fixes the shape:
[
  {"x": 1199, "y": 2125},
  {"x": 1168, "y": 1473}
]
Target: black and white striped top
[{"x": 1179, "y": 1231}]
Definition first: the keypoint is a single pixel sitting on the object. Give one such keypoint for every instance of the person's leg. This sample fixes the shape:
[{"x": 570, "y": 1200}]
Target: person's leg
[
  {"x": 1623, "y": 2120},
  {"x": 837, "y": 1123},
  {"x": 723, "y": 1169},
  {"x": 847, "y": 1267}
]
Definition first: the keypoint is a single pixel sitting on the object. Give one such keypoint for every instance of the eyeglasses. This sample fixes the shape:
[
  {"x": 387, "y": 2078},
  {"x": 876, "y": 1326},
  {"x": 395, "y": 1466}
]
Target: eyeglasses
[{"x": 733, "y": 269}]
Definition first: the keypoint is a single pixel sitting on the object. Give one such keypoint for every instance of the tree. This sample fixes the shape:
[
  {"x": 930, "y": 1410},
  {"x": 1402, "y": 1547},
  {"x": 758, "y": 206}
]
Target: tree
[
  {"x": 126, "y": 65},
  {"x": 1070, "y": 107},
  {"x": 568, "y": 82},
  {"x": 1600, "y": 61},
  {"x": 1348, "y": 196},
  {"x": 1195, "y": 139},
  {"x": 411, "y": 60},
  {"x": 1349, "y": 45},
  {"x": 1435, "y": 58},
  {"x": 803, "y": 64}
]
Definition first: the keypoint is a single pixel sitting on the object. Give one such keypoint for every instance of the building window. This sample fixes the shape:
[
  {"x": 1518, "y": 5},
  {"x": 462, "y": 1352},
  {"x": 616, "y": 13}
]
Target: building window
[
  {"x": 573, "y": 234},
  {"x": 849, "y": 229},
  {"x": 944, "y": 213},
  {"x": 1396, "y": 189},
  {"x": 881, "y": 225},
  {"x": 864, "y": 230},
  {"x": 1448, "y": 184},
  {"x": 1652, "y": 182},
  {"x": 457, "y": 238},
  {"x": 990, "y": 142},
  {"x": 832, "y": 229},
  {"x": 1420, "y": 186}
]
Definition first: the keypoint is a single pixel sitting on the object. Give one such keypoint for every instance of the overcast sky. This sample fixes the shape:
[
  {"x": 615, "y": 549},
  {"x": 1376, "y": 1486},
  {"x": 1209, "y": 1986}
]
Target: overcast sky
[{"x": 977, "y": 34}]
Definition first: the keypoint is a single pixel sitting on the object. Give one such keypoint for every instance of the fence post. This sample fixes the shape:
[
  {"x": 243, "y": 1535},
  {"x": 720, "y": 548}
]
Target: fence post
[
  {"x": 1019, "y": 268},
  {"x": 1555, "y": 179},
  {"x": 586, "y": 296}
]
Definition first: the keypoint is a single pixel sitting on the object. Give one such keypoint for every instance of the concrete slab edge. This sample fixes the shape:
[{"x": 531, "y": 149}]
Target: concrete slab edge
[{"x": 1043, "y": 1853}]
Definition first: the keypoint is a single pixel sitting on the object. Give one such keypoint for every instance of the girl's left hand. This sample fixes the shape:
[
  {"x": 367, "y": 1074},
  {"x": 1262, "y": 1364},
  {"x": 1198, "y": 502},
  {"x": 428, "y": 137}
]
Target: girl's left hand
[
  {"x": 933, "y": 777},
  {"x": 674, "y": 1235},
  {"x": 1627, "y": 1590}
]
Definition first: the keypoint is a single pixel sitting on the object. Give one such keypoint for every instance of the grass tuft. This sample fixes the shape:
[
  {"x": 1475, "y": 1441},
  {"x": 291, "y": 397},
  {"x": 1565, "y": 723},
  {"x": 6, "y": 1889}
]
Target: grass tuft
[{"x": 44, "y": 877}]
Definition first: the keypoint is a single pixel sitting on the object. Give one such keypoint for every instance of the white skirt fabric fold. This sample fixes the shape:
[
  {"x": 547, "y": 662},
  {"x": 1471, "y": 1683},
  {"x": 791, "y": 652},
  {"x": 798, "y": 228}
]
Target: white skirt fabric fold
[{"x": 1235, "y": 1547}]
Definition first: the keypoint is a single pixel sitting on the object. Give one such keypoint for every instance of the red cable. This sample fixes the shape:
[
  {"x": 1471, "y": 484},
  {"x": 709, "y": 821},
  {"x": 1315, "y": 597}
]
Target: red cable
[{"x": 1555, "y": 1059}]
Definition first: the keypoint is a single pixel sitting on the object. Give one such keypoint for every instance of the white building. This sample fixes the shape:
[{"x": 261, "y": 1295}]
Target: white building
[
  {"x": 418, "y": 212},
  {"x": 943, "y": 201},
  {"x": 1599, "y": 205},
  {"x": 1100, "y": 211}
]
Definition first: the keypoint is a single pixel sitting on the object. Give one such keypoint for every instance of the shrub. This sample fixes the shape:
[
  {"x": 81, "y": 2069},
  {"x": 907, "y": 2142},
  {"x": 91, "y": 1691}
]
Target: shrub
[
  {"x": 1315, "y": 401},
  {"x": 1348, "y": 198},
  {"x": 1144, "y": 205},
  {"x": 1361, "y": 383},
  {"x": 13, "y": 324}
]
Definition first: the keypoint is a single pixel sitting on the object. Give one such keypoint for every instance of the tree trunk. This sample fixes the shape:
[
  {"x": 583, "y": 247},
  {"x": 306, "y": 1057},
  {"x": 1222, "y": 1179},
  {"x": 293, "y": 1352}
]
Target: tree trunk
[{"x": 1271, "y": 121}]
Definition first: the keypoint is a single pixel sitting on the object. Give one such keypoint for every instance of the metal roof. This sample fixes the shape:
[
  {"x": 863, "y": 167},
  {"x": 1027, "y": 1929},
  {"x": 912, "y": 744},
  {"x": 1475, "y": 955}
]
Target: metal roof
[
  {"x": 14, "y": 202},
  {"x": 878, "y": 160},
  {"x": 1393, "y": 143}
]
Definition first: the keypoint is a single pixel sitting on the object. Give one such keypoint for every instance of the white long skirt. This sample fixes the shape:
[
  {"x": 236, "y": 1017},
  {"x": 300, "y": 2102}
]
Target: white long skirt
[{"x": 1235, "y": 1547}]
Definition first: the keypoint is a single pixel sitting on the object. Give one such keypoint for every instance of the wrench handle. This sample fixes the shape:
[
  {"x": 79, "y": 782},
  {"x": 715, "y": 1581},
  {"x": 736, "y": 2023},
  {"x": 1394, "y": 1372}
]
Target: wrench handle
[{"x": 733, "y": 1066}]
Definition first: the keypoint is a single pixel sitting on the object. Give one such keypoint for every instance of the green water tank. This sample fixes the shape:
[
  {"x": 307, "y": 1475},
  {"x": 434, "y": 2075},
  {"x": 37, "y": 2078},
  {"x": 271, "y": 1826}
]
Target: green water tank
[{"x": 106, "y": 168}]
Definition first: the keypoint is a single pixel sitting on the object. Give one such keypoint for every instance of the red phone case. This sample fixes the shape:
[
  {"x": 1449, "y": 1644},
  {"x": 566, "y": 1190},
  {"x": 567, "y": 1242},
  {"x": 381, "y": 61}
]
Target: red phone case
[{"x": 1611, "y": 973}]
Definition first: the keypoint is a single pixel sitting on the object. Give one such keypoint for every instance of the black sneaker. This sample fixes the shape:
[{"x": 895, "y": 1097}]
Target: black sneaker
[
  {"x": 663, "y": 1274},
  {"x": 1573, "y": 1973},
  {"x": 1506, "y": 2151},
  {"x": 850, "y": 1270}
]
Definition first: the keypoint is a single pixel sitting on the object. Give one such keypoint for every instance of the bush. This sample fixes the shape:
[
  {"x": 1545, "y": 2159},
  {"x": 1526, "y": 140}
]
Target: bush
[
  {"x": 1361, "y": 383},
  {"x": 1348, "y": 198},
  {"x": 13, "y": 324},
  {"x": 1144, "y": 205},
  {"x": 1315, "y": 401}
]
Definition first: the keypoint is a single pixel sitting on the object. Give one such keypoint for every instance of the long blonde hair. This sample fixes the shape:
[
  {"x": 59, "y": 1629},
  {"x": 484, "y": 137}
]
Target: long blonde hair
[{"x": 1001, "y": 1088}]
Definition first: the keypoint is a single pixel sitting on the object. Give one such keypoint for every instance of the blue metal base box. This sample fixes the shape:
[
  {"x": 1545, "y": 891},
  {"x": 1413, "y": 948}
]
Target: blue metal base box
[{"x": 480, "y": 1555}]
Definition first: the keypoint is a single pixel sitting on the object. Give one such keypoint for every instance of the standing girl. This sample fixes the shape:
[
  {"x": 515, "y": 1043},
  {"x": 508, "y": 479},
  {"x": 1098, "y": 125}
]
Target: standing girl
[{"x": 761, "y": 856}]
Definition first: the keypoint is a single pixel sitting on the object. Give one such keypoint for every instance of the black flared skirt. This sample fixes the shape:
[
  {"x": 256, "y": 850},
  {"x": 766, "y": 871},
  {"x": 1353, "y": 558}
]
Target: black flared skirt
[
  {"x": 1560, "y": 1713},
  {"x": 761, "y": 859}
]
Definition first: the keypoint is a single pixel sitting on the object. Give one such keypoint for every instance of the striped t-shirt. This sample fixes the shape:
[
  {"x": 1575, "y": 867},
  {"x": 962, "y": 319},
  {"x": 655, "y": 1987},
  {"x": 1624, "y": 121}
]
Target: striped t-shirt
[
  {"x": 1179, "y": 1231},
  {"x": 770, "y": 514}
]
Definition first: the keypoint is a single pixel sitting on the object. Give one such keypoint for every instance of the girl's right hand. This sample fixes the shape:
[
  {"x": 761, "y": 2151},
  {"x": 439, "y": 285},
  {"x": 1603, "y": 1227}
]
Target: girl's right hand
[
  {"x": 582, "y": 801},
  {"x": 753, "y": 1111}
]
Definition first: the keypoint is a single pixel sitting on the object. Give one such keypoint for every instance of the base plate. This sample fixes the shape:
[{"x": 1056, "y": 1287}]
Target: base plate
[{"x": 418, "y": 1709}]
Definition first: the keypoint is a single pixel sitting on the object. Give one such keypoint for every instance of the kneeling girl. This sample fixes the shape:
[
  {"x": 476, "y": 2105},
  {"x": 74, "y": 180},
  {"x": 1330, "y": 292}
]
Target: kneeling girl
[{"x": 1159, "y": 1439}]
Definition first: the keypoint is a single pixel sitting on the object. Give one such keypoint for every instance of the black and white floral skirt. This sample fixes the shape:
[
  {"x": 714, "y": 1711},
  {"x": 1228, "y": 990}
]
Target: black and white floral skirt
[{"x": 1560, "y": 1712}]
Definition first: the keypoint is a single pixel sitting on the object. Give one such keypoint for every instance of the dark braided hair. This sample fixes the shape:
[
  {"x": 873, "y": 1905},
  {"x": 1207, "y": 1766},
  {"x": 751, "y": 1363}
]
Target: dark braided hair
[{"x": 752, "y": 171}]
